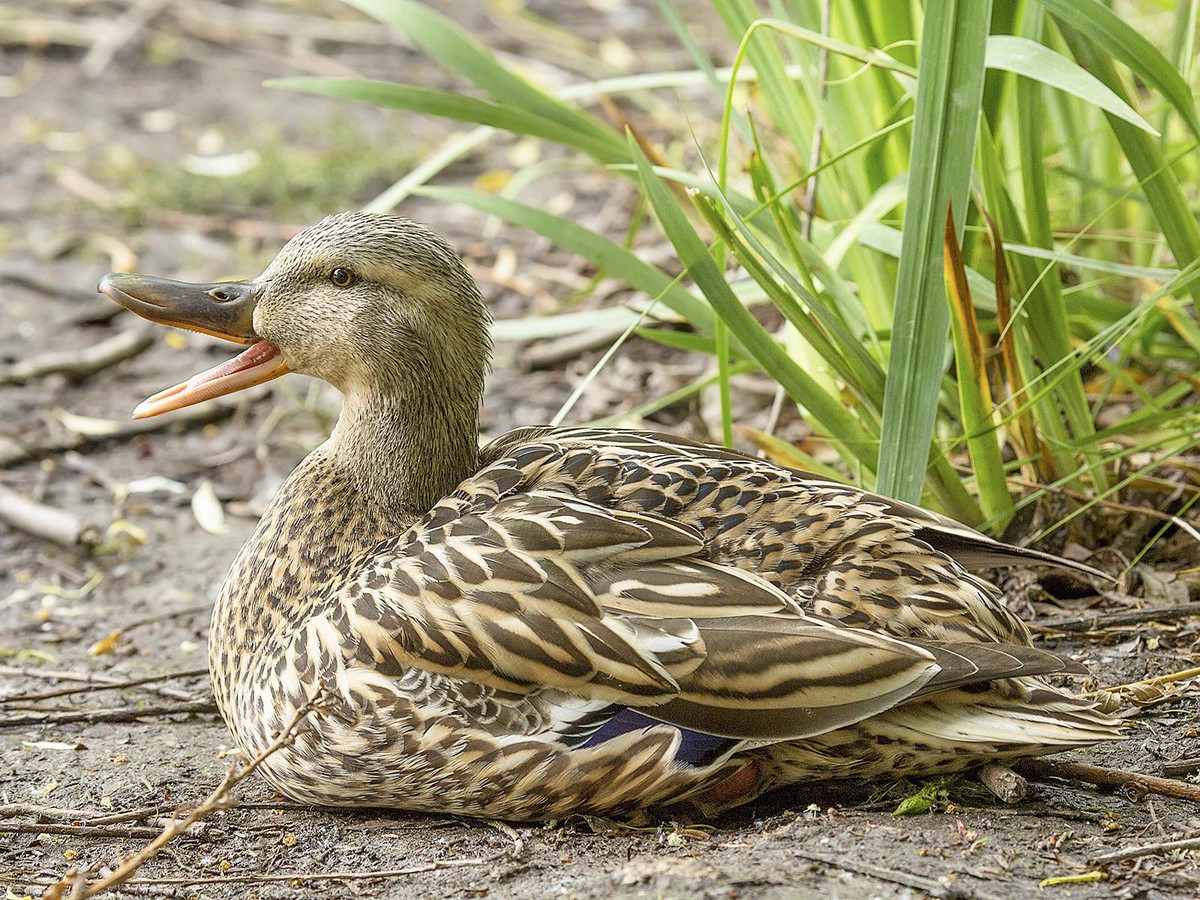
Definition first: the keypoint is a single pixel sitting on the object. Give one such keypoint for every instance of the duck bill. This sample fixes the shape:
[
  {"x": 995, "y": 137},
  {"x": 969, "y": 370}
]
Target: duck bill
[{"x": 224, "y": 310}]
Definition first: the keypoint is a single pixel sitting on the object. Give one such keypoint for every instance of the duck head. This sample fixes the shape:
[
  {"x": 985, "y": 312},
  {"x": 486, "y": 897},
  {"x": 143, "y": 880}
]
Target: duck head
[{"x": 378, "y": 306}]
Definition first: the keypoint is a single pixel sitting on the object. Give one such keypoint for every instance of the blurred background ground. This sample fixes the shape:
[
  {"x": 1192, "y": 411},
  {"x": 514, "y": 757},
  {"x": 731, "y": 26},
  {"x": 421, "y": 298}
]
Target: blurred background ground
[{"x": 138, "y": 135}]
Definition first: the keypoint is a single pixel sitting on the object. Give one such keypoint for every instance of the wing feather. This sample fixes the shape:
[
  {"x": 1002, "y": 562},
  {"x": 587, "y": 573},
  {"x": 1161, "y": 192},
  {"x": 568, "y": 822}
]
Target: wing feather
[{"x": 523, "y": 590}]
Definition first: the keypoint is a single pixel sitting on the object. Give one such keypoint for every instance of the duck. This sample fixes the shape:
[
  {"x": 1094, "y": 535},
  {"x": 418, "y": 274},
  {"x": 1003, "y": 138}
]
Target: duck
[{"x": 571, "y": 619}]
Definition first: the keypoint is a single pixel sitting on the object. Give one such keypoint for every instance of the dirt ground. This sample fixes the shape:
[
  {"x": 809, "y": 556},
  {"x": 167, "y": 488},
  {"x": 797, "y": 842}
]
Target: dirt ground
[{"x": 97, "y": 134}]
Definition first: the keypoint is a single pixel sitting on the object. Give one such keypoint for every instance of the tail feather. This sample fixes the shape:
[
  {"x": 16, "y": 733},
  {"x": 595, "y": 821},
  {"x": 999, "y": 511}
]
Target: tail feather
[
  {"x": 1042, "y": 721},
  {"x": 976, "y": 551}
]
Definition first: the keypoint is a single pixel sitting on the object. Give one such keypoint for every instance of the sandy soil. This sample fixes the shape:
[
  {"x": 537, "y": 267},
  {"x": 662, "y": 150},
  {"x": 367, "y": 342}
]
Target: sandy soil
[{"x": 67, "y": 215}]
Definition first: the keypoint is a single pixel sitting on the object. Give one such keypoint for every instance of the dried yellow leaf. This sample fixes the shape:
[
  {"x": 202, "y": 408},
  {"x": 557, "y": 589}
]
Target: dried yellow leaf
[
  {"x": 1082, "y": 878},
  {"x": 106, "y": 644}
]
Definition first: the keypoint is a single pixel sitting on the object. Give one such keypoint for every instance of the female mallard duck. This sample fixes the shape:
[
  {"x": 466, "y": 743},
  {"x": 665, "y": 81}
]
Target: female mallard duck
[{"x": 571, "y": 619}]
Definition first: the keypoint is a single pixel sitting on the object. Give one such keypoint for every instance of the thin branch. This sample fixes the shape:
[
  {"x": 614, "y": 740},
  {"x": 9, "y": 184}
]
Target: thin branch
[
  {"x": 45, "y": 521},
  {"x": 97, "y": 831},
  {"x": 1169, "y": 678},
  {"x": 103, "y": 686},
  {"x": 55, "y": 889},
  {"x": 93, "y": 678},
  {"x": 1181, "y": 767},
  {"x": 892, "y": 876},
  {"x": 79, "y": 363},
  {"x": 1104, "y": 859},
  {"x": 1041, "y": 769},
  {"x": 118, "y": 33},
  {"x": 119, "y": 714},
  {"x": 90, "y": 817},
  {"x": 193, "y": 610},
  {"x": 1131, "y": 617},
  {"x": 433, "y": 866},
  {"x": 13, "y": 452}
]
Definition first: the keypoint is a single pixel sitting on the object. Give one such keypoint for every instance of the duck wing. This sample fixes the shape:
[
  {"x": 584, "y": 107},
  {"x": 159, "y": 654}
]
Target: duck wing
[
  {"x": 970, "y": 548},
  {"x": 522, "y": 591}
]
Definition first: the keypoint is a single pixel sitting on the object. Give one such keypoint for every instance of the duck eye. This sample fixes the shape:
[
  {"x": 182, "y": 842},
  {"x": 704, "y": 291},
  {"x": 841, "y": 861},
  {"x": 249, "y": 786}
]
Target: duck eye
[{"x": 342, "y": 277}]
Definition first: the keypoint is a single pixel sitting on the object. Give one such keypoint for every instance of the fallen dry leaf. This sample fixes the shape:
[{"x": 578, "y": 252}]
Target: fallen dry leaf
[
  {"x": 106, "y": 644},
  {"x": 207, "y": 509}
]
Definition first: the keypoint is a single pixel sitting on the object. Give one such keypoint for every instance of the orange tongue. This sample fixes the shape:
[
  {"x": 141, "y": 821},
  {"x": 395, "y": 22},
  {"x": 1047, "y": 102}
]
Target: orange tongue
[{"x": 260, "y": 362}]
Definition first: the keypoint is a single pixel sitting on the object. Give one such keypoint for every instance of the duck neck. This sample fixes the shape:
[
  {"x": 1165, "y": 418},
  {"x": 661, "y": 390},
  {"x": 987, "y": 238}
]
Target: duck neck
[{"x": 406, "y": 450}]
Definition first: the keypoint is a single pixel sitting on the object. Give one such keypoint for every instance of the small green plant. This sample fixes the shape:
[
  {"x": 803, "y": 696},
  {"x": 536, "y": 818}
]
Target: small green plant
[{"x": 853, "y": 168}]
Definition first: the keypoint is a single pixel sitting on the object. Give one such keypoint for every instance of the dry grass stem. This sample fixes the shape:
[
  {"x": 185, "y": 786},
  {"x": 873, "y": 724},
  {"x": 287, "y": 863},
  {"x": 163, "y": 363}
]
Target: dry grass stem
[
  {"x": 112, "y": 685},
  {"x": 120, "y": 714},
  {"x": 1104, "y": 859}
]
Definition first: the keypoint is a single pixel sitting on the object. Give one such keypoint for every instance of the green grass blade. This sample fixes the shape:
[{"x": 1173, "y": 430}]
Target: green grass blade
[
  {"x": 449, "y": 44},
  {"x": 1039, "y": 63},
  {"x": 844, "y": 430},
  {"x": 949, "y": 92},
  {"x": 458, "y": 107},
  {"x": 601, "y": 251},
  {"x": 974, "y": 390},
  {"x": 1041, "y": 314},
  {"x": 1122, "y": 41},
  {"x": 1155, "y": 172},
  {"x": 1152, "y": 273}
]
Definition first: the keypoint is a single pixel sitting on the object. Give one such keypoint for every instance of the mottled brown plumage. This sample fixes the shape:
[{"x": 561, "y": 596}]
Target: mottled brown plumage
[{"x": 576, "y": 619}]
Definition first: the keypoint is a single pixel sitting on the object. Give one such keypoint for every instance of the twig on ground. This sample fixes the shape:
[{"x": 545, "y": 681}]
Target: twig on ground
[
  {"x": 247, "y": 229},
  {"x": 1142, "y": 694},
  {"x": 1104, "y": 859},
  {"x": 1004, "y": 783},
  {"x": 220, "y": 799},
  {"x": 1131, "y": 617},
  {"x": 79, "y": 363},
  {"x": 105, "y": 686},
  {"x": 893, "y": 876},
  {"x": 219, "y": 23},
  {"x": 1181, "y": 767},
  {"x": 32, "y": 280},
  {"x": 88, "y": 816},
  {"x": 98, "y": 831},
  {"x": 13, "y": 453},
  {"x": 1039, "y": 769},
  {"x": 94, "y": 678},
  {"x": 46, "y": 32},
  {"x": 1038, "y": 810},
  {"x": 180, "y": 613},
  {"x": 120, "y": 714},
  {"x": 44, "y": 521},
  {"x": 306, "y": 877}
]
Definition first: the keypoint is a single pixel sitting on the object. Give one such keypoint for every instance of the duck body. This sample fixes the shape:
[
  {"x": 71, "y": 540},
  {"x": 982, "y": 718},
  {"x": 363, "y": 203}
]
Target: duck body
[
  {"x": 520, "y": 650},
  {"x": 576, "y": 620}
]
